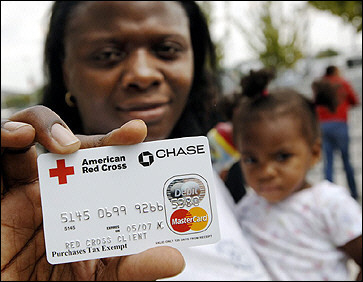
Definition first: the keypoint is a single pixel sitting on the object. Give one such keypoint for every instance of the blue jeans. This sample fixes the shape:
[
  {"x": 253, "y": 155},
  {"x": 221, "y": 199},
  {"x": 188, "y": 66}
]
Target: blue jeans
[{"x": 335, "y": 137}]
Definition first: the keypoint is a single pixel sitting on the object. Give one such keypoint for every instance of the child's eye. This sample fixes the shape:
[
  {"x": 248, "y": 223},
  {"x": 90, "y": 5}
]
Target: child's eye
[
  {"x": 281, "y": 157},
  {"x": 249, "y": 160}
]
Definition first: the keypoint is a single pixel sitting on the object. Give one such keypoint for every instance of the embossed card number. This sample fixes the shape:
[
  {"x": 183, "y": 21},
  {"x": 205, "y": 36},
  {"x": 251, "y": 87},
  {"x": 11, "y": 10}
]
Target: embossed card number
[{"x": 121, "y": 200}]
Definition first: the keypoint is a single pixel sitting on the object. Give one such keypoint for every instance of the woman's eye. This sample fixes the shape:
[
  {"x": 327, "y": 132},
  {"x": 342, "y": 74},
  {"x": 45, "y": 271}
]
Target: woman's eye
[
  {"x": 109, "y": 56},
  {"x": 168, "y": 50}
]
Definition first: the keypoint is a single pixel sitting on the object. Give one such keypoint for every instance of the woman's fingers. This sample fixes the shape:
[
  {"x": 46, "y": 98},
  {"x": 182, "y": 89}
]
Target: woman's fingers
[
  {"x": 16, "y": 134},
  {"x": 130, "y": 133},
  {"x": 152, "y": 264},
  {"x": 50, "y": 130}
]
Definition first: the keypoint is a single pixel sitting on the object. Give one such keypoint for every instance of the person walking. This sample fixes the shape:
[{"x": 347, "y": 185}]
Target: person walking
[{"x": 334, "y": 127}]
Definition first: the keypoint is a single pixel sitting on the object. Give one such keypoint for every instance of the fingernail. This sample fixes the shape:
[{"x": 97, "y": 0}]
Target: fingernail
[
  {"x": 14, "y": 125},
  {"x": 132, "y": 121},
  {"x": 62, "y": 135}
]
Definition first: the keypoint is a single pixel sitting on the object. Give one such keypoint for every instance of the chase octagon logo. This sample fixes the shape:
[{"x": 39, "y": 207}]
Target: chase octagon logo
[{"x": 146, "y": 158}]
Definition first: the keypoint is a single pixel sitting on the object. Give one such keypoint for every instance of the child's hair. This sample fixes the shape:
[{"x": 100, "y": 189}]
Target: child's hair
[
  {"x": 226, "y": 104},
  {"x": 256, "y": 102}
]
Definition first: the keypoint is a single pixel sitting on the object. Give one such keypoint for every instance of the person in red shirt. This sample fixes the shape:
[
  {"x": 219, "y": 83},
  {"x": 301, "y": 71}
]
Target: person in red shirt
[{"x": 334, "y": 127}]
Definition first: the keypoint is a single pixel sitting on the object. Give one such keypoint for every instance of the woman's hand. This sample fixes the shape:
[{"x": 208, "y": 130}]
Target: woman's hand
[{"x": 22, "y": 238}]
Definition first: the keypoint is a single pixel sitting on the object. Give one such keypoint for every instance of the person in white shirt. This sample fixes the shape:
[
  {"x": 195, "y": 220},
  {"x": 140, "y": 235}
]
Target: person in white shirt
[{"x": 300, "y": 231}]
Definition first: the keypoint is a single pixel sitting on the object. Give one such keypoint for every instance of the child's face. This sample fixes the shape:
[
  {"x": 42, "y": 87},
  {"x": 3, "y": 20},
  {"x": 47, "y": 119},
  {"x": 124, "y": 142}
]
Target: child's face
[{"x": 275, "y": 157}]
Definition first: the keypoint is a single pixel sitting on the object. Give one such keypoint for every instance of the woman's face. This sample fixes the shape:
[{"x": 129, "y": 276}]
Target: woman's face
[{"x": 129, "y": 60}]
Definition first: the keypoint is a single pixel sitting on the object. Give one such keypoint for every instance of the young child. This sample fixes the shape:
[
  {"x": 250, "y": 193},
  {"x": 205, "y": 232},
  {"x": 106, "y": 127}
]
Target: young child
[{"x": 300, "y": 231}]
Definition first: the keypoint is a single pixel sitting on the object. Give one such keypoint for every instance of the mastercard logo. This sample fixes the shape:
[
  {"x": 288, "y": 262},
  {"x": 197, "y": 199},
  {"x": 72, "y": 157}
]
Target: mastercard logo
[{"x": 183, "y": 220}]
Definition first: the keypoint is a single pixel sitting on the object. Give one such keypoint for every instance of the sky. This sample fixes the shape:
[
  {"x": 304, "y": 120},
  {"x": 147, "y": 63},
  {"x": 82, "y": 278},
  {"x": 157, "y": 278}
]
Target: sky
[{"x": 24, "y": 24}]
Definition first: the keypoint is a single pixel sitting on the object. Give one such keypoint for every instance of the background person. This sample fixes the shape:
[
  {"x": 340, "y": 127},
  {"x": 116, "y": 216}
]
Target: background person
[
  {"x": 300, "y": 231},
  {"x": 334, "y": 127},
  {"x": 109, "y": 65}
]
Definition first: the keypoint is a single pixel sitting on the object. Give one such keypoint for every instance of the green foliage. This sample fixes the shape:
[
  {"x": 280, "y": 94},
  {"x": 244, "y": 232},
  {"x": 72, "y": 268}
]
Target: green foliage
[
  {"x": 38, "y": 94},
  {"x": 277, "y": 41},
  {"x": 22, "y": 100},
  {"x": 276, "y": 53},
  {"x": 327, "y": 53},
  {"x": 17, "y": 101},
  {"x": 349, "y": 11}
]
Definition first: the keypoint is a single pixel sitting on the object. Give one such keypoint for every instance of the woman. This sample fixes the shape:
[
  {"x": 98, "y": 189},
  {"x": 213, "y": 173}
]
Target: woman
[
  {"x": 335, "y": 130},
  {"x": 111, "y": 65},
  {"x": 104, "y": 72}
]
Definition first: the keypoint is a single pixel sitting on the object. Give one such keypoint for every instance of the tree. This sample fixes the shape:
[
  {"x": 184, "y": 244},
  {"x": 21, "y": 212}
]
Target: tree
[
  {"x": 327, "y": 53},
  {"x": 349, "y": 11},
  {"x": 277, "y": 41},
  {"x": 23, "y": 100}
]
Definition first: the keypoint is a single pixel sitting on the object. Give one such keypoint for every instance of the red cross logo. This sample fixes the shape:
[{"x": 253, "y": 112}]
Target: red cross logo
[{"x": 61, "y": 171}]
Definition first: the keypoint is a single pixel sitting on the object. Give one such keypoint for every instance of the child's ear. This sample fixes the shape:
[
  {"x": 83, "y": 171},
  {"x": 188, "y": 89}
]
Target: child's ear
[{"x": 316, "y": 152}]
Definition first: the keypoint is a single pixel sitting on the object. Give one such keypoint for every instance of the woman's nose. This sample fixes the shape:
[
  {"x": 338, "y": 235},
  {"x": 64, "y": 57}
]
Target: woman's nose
[{"x": 141, "y": 71}]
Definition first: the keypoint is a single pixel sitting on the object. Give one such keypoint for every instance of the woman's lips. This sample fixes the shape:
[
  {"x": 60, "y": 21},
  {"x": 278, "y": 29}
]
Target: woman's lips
[{"x": 146, "y": 112}]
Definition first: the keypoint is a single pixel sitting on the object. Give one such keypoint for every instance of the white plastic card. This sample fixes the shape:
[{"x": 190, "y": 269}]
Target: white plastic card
[{"x": 120, "y": 200}]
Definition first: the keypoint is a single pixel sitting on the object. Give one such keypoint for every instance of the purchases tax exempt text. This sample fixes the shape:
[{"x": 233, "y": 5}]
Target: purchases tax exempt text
[{"x": 120, "y": 200}]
